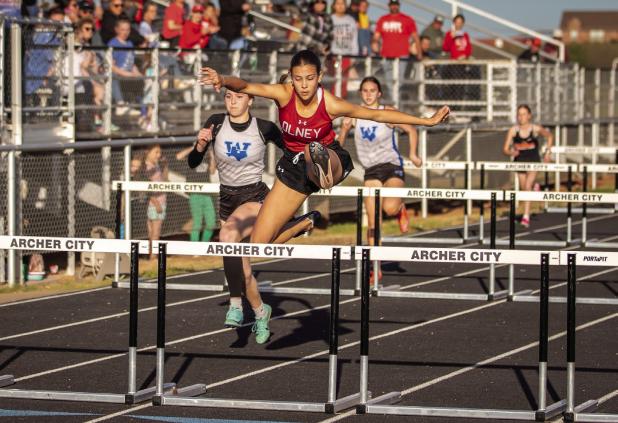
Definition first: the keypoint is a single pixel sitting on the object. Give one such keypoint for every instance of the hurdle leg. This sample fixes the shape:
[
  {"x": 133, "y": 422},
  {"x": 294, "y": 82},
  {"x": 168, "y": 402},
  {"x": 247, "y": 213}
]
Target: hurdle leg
[{"x": 359, "y": 239}]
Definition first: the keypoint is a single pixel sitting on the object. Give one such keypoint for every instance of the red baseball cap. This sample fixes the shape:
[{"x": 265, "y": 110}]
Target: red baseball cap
[{"x": 198, "y": 8}]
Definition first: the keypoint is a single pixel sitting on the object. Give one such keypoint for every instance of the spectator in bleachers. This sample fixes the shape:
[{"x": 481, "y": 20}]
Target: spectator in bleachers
[
  {"x": 231, "y": 20},
  {"x": 533, "y": 53},
  {"x": 426, "y": 48},
  {"x": 317, "y": 30},
  {"x": 71, "y": 12},
  {"x": 30, "y": 8},
  {"x": 435, "y": 35},
  {"x": 123, "y": 64},
  {"x": 114, "y": 13},
  {"x": 86, "y": 65},
  {"x": 145, "y": 27},
  {"x": 345, "y": 40},
  {"x": 156, "y": 170},
  {"x": 194, "y": 33},
  {"x": 172, "y": 22},
  {"x": 211, "y": 20},
  {"x": 457, "y": 41},
  {"x": 364, "y": 29},
  {"x": 85, "y": 9},
  {"x": 397, "y": 32}
]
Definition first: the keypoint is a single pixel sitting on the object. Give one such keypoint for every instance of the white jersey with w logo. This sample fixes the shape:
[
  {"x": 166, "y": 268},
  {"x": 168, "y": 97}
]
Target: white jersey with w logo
[
  {"x": 239, "y": 155},
  {"x": 376, "y": 144}
]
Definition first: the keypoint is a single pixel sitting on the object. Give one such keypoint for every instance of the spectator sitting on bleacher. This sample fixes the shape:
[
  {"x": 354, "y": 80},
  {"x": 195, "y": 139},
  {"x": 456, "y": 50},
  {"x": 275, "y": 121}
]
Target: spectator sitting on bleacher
[
  {"x": 194, "y": 32},
  {"x": 317, "y": 30},
  {"x": 145, "y": 26},
  {"x": 533, "y": 53},
  {"x": 71, "y": 12},
  {"x": 86, "y": 66},
  {"x": 172, "y": 22},
  {"x": 211, "y": 20},
  {"x": 434, "y": 33},
  {"x": 85, "y": 9},
  {"x": 123, "y": 64},
  {"x": 457, "y": 41},
  {"x": 114, "y": 13}
]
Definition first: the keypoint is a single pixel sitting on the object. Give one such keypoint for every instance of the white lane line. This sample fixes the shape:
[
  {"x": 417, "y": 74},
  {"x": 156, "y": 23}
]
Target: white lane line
[
  {"x": 482, "y": 363},
  {"x": 119, "y": 413},
  {"x": 609, "y": 396},
  {"x": 183, "y": 302}
]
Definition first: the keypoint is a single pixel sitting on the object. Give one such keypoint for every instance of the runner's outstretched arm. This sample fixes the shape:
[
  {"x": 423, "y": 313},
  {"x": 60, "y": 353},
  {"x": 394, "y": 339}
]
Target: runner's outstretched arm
[{"x": 277, "y": 92}]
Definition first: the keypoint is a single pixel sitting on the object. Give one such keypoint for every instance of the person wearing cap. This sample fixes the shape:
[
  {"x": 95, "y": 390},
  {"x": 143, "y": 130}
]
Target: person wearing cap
[
  {"x": 397, "y": 32},
  {"x": 533, "y": 53},
  {"x": 435, "y": 35},
  {"x": 85, "y": 9},
  {"x": 194, "y": 33}
]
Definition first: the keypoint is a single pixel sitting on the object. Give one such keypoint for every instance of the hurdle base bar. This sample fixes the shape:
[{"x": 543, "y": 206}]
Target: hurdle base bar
[
  {"x": 596, "y": 244},
  {"x": 596, "y": 417},
  {"x": 425, "y": 240},
  {"x": 589, "y": 405},
  {"x": 551, "y": 411},
  {"x": 390, "y": 398},
  {"x": 442, "y": 295},
  {"x": 174, "y": 286},
  {"x": 526, "y": 298},
  {"x": 469, "y": 413},
  {"x": 6, "y": 380},
  {"x": 310, "y": 407},
  {"x": 266, "y": 286},
  {"x": 536, "y": 242},
  {"x": 382, "y": 288},
  {"x": 589, "y": 210},
  {"x": 186, "y": 392},
  {"x": 128, "y": 399}
]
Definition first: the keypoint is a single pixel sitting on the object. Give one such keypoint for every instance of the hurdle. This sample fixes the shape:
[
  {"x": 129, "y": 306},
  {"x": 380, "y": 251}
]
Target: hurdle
[
  {"x": 385, "y": 404},
  {"x": 322, "y": 252},
  {"x": 172, "y": 187},
  {"x": 581, "y": 412},
  {"x": 594, "y": 151},
  {"x": 132, "y": 395}
]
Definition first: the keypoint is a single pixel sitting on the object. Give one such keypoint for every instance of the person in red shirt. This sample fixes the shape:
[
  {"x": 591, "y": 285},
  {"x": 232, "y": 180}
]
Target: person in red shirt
[
  {"x": 172, "y": 22},
  {"x": 457, "y": 41},
  {"x": 194, "y": 33},
  {"x": 397, "y": 32}
]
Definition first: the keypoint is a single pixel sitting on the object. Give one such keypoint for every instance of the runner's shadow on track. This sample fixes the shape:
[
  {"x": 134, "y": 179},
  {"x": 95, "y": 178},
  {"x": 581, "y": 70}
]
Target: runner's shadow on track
[{"x": 392, "y": 266}]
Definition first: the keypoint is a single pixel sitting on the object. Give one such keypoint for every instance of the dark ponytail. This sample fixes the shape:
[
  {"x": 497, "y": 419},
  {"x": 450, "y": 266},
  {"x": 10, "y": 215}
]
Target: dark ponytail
[
  {"x": 525, "y": 107},
  {"x": 371, "y": 79},
  {"x": 306, "y": 57}
]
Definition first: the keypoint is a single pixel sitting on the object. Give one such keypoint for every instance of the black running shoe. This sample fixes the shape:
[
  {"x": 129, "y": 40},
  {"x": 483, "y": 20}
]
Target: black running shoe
[
  {"x": 321, "y": 165},
  {"x": 313, "y": 216}
]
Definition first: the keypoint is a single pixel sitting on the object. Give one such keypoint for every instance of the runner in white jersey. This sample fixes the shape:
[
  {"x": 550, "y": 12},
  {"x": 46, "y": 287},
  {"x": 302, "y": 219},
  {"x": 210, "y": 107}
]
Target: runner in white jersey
[
  {"x": 239, "y": 143},
  {"x": 377, "y": 151}
]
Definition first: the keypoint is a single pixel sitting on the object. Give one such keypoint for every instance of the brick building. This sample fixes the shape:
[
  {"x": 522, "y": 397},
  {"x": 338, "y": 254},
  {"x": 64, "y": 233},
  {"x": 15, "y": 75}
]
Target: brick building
[{"x": 589, "y": 26}]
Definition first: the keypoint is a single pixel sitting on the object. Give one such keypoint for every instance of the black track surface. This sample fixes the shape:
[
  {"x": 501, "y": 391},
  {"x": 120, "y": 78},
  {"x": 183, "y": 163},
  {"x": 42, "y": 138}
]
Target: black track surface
[{"x": 483, "y": 352}]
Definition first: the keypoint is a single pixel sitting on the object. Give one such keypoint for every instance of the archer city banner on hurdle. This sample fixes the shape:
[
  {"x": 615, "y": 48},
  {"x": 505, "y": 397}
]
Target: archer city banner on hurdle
[
  {"x": 65, "y": 244},
  {"x": 567, "y": 197},
  {"x": 584, "y": 150},
  {"x": 590, "y": 258},
  {"x": 607, "y": 168},
  {"x": 452, "y": 255},
  {"x": 220, "y": 249},
  {"x": 525, "y": 166},
  {"x": 178, "y": 187},
  {"x": 439, "y": 165},
  {"x": 416, "y": 193}
]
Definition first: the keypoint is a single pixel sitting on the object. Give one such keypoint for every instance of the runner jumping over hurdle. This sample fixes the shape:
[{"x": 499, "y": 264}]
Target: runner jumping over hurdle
[
  {"x": 239, "y": 143},
  {"x": 522, "y": 143}
]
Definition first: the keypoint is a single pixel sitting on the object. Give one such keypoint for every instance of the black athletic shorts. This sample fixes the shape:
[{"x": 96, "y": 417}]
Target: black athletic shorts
[
  {"x": 230, "y": 198},
  {"x": 384, "y": 171},
  {"x": 294, "y": 175},
  {"x": 531, "y": 155}
]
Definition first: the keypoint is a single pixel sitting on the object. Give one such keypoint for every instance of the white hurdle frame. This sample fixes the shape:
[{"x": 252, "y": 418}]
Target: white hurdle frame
[
  {"x": 132, "y": 395},
  {"x": 384, "y": 404},
  {"x": 320, "y": 252}
]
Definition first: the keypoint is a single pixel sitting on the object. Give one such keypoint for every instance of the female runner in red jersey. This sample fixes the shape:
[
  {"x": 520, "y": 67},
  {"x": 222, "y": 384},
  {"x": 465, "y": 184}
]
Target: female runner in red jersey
[{"x": 312, "y": 159}]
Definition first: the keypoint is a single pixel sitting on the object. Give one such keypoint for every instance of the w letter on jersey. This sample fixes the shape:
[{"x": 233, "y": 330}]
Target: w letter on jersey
[
  {"x": 369, "y": 133},
  {"x": 237, "y": 150}
]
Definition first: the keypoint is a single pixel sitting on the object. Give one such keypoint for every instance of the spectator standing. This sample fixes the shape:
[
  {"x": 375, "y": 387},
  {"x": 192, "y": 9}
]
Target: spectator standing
[
  {"x": 317, "y": 30},
  {"x": 364, "y": 29},
  {"x": 533, "y": 53},
  {"x": 435, "y": 35},
  {"x": 457, "y": 41},
  {"x": 231, "y": 17},
  {"x": 114, "y": 13},
  {"x": 123, "y": 64},
  {"x": 397, "y": 32},
  {"x": 145, "y": 26},
  {"x": 173, "y": 22},
  {"x": 156, "y": 170},
  {"x": 345, "y": 39},
  {"x": 203, "y": 215}
]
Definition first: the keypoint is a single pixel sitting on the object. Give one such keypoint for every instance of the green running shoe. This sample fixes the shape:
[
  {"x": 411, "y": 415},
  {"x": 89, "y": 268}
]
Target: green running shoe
[
  {"x": 233, "y": 318},
  {"x": 260, "y": 327}
]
